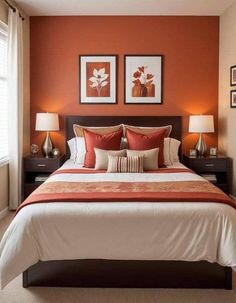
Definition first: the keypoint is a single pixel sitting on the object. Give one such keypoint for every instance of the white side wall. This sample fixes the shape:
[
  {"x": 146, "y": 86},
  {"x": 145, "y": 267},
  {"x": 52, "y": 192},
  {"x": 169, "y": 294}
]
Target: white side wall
[{"x": 227, "y": 115}]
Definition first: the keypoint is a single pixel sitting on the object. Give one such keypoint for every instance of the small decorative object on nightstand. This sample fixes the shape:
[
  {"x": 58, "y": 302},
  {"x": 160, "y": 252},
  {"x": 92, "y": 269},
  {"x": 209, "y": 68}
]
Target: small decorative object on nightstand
[
  {"x": 34, "y": 150},
  {"x": 193, "y": 153},
  {"x": 37, "y": 170},
  {"x": 213, "y": 151},
  {"x": 56, "y": 152},
  {"x": 201, "y": 124},
  {"x": 214, "y": 169}
]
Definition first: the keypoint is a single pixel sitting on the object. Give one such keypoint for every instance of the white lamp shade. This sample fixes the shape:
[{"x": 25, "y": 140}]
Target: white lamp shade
[
  {"x": 201, "y": 124},
  {"x": 47, "y": 122}
]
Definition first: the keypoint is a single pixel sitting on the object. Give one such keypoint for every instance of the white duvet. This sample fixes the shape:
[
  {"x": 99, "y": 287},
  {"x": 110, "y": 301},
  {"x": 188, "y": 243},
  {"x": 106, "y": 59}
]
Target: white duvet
[{"x": 126, "y": 230}]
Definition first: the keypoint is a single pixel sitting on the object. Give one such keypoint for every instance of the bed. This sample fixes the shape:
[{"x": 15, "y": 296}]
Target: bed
[{"x": 128, "y": 244}]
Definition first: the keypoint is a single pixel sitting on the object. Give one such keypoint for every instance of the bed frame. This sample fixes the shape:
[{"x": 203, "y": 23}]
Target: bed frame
[{"x": 127, "y": 273}]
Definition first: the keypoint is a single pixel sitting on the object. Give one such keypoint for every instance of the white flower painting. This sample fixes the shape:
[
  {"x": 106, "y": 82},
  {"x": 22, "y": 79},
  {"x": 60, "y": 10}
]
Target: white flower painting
[{"x": 97, "y": 79}]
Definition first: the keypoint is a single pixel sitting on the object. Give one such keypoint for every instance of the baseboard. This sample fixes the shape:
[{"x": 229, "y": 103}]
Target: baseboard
[{"x": 3, "y": 213}]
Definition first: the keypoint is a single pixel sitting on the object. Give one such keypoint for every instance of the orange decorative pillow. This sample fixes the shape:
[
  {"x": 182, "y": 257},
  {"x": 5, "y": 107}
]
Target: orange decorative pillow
[
  {"x": 145, "y": 130},
  {"x": 101, "y": 130},
  {"x": 143, "y": 142},
  {"x": 109, "y": 141}
]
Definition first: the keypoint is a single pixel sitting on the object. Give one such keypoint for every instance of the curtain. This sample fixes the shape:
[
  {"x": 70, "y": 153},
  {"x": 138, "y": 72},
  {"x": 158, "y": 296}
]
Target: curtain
[{"x": 15, "y": 109}]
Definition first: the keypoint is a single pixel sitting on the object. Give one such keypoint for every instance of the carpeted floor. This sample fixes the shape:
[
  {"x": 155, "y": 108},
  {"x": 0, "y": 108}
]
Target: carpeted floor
[{"x": 14, "y": 293}]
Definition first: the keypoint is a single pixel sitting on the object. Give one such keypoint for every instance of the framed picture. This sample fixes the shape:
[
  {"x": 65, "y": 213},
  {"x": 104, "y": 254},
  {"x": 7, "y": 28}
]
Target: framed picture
[
  {"x": 143, "y": 79},
  {"x": 98, "y": 79},
  {"x": 233, "y": 75},
  {"x": 193, "y": 153},
  {"x": 233, "y": 98},
  {"x": 213, "y": 151}
]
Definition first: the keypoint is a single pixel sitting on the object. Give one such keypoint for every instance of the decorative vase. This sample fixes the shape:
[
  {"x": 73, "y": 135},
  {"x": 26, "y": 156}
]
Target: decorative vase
[
  {"x": 151, "y": 91},
  {"x": 143, "y": 91},
  {"x": 136, "y": 90}
]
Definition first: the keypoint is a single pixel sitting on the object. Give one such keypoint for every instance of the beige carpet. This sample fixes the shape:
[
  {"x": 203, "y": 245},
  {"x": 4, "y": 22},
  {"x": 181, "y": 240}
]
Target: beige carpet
[{"x": 14, "y": 293}]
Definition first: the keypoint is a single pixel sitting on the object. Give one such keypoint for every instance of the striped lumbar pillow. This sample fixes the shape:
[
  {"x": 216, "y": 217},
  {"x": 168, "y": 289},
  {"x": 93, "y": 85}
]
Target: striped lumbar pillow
[
  {"x": 125, "y": 164},
  {"x": 150, "y": 157}
]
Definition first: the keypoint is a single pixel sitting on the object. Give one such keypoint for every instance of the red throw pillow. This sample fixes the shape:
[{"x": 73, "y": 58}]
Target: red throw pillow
[
  {"x": 109, "y": 141},
  {"x": 143, "y": 142}
]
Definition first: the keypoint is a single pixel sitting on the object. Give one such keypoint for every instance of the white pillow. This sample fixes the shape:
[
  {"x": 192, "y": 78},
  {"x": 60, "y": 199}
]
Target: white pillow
[
  {"x": 150, "y": 157},
  {"x": 171, "y": 151},
  {"x": 102, "y": 156},
  {"x": 77, "y": 149},
  {"x": 71, "y": 144}
]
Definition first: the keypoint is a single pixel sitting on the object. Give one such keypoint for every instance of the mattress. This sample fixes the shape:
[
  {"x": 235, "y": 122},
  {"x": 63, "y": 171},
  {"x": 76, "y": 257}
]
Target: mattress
[{"x": 119, "y": 231}]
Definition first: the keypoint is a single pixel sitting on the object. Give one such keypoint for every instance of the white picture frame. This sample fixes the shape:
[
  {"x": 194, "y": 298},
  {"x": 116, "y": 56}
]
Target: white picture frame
[
  {"x": 143, "y": 79},
  {"x": 98, "y": 79}
]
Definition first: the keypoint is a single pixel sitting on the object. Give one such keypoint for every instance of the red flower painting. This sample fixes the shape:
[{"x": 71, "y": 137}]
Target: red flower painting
[{"x": 143, "y": 83}]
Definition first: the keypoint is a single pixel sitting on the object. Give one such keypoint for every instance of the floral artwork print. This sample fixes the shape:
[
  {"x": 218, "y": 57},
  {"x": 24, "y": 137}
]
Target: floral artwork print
[
  {"x": 98, "y": 79},
  {"x": 233, "y": 98},
  {"x": 143, "y": 83},
  {"x": 233, "y": 75},
  {"x": 143, "y": 79}
]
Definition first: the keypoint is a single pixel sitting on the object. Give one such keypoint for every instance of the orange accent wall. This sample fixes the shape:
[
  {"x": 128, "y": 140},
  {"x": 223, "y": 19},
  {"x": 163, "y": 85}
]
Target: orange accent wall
[{"x": 190, "y": 46}]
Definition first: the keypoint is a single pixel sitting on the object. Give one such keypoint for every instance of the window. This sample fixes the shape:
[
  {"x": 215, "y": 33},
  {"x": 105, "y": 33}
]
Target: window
[{"x": 3, "y": 93}]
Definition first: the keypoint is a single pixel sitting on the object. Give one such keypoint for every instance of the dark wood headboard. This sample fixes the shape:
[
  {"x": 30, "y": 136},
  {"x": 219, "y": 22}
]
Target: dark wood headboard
[{"x": 175, "y": 121}]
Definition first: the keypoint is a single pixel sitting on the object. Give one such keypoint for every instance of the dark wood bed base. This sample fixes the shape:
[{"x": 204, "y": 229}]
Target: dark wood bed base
[
  {"x": 125, "y": 274},
  {"x": 121, "y": 273}
]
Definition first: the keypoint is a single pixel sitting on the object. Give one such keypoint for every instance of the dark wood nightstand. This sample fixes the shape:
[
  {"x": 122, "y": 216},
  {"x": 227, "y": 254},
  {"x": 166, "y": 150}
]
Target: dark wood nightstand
[
  {"x": 39, "y": 167},
  {"x": 219, "y": 166}
]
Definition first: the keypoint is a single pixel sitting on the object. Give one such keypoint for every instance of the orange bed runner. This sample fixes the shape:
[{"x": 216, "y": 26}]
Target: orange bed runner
[{"x": 106, "y": 191}]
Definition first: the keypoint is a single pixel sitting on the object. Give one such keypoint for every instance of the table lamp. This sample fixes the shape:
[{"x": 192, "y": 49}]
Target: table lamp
[
  {"x": 201, "y": 124},
  {"x": 47, "y": 122}
]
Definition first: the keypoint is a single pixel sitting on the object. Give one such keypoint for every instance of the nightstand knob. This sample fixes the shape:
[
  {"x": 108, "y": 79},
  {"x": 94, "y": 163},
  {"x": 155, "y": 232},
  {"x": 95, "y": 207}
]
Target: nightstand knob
[
  {"x": 209, "y": 165},
  {"x": 41, "y": 165}
]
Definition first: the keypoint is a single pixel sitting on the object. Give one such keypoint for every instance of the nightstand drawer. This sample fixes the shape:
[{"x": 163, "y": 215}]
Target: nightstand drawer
[
  {"x": 35, "y": 167},
  {"x": 41, "y": 164},
  {"x": 218, "y": 168},
  {"x": 209, "y": 165}
]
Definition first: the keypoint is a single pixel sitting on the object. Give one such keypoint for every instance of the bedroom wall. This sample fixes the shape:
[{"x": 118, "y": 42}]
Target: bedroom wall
[
  {"x": 227, "y": 115},
  {"x": 190, "y": 46}
]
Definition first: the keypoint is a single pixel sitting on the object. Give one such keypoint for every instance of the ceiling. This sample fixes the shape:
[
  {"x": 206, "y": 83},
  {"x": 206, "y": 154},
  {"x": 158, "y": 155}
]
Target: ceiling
[{"x": 124, "y": 7}]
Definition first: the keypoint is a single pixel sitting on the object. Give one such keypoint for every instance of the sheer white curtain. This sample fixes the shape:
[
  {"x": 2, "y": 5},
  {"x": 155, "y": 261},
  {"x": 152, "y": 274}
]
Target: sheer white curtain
[{"x": 15, "y": 97}]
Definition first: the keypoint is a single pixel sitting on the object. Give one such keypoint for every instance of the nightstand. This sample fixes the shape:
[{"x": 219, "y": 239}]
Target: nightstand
[
  {"x": 37, "y": 169},
  {"x": 219, "y": 166}
]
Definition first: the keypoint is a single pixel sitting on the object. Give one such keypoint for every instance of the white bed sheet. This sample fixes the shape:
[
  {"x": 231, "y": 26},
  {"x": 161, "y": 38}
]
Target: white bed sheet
[{"x": 125, "y": 231}]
